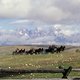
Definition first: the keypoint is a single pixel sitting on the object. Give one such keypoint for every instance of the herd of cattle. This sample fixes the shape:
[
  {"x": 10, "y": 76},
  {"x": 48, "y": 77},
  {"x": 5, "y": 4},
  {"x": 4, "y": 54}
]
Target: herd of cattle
[{"x": 50, "y": 49}]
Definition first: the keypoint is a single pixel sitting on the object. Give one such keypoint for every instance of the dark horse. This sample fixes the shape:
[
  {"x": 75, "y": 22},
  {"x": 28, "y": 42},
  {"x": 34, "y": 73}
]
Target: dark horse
[
  {"x": 51, "y": 49},
  {"x": 59, "y": 49},
  {"x": 17, "y": 51},
  {"x": 31, "y": 51},
  {"x": 38, "y": 51}
]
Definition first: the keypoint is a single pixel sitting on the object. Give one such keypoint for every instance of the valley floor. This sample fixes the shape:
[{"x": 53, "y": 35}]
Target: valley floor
[{"x": 43, "y": 61}]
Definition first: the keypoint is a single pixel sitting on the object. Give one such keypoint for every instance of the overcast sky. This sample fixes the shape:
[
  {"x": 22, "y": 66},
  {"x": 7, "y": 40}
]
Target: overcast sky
[{"x": 19, "y": 13}]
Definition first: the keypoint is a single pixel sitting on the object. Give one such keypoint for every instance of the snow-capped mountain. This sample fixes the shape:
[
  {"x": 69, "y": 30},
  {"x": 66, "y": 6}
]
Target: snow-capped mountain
[
  {"x": 37, "y": 35},
  {"x": 43, "y": 35},
  {"x": 37, "y": 32}
]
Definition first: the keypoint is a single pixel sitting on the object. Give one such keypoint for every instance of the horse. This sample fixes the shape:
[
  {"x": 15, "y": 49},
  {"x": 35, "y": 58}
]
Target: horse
[
  {"x": 38, "y": 51},
  {"x": 15, "y": 52},
  {"x": 31, "y": 51}
]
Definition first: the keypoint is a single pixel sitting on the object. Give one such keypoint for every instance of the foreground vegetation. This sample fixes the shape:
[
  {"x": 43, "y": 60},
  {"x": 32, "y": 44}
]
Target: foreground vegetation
[{"x": 42, "y": 61}]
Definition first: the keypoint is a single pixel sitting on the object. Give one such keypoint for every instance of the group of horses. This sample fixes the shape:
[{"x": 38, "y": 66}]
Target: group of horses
[{"x": 50, "y": 49}]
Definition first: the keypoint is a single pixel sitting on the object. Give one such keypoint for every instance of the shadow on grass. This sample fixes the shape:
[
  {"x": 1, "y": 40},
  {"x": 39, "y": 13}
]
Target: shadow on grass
[
  {"x": 76, "y": 79},
  {"x": 11, "y": 75}
]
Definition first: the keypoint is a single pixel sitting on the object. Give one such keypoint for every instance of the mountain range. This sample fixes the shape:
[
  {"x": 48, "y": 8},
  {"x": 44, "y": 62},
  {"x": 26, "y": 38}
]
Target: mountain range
[{"x": 38, "y": 35}]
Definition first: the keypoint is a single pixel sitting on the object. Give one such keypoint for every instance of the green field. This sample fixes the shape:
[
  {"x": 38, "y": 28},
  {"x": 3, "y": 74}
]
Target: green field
[{"x": 49, "y": 61}]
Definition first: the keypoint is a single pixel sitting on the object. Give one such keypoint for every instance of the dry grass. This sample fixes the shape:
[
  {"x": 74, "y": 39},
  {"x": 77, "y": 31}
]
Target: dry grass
[{"x": 49, "y": 61}]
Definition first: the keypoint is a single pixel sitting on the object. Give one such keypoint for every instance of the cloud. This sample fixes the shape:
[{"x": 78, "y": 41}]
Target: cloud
[
  {"x": 20, "y": 21},
  {"x": 12, "y": 37},
  {"x": 39, "y": 15},
  {"x": 14, "y": 8},
  {"x": 49, "y": 11},
  {"x": 67, "y": 30},
  {"x": 71, "y": 7}
]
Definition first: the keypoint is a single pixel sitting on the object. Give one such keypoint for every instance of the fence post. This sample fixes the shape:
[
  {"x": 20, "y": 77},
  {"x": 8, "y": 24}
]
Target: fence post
[{"x": 66, "y": 71}]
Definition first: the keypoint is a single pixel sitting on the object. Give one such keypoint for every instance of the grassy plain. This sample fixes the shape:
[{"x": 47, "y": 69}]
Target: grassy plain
[{"x": 49, "y": 61}]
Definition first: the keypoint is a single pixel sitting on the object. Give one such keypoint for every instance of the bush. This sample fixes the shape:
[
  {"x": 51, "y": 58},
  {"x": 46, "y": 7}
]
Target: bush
[{"x": 77, "y": 50}]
